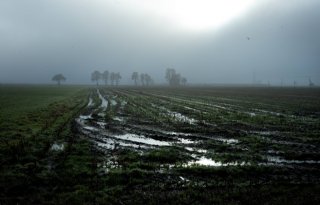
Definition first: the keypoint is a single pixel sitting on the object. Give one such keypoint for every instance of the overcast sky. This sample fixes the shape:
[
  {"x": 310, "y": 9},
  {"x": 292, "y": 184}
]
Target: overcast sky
[{"x": 205, "y": 41}]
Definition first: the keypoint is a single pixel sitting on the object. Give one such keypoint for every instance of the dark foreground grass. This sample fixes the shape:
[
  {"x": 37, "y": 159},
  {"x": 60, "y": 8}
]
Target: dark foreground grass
[{"x": 32, "y": 119}]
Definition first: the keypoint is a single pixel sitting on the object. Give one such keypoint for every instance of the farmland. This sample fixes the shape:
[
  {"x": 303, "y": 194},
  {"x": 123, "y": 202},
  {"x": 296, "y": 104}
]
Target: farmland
[{"x": 160, "y": 145}]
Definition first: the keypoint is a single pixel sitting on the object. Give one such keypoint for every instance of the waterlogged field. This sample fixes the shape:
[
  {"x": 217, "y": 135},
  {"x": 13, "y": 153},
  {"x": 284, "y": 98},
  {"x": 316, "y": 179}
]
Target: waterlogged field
[
  {"x": 202, "y": 145},
  {"x": 218, "y": 144}
]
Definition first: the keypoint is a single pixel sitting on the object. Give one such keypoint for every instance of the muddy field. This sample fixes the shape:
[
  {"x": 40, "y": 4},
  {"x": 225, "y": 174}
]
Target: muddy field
[
  {"x": 206, "y": 128},
  {"x": 202, "y": 145},
  {"x": 206, "y": 137}
]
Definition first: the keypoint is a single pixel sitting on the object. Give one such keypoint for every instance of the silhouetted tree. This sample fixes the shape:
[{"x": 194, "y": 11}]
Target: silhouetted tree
[
  {"x": 96, "y": 76},
  {"x": 184, "y": 81},
  {"x": 176, "y": 79},
  {"x": 172, "y": 77},
  {"x": 117, "y": 78},
  {"x": 112, "y": 78},
  {"x": 311, "y": 84},
  {"x": 169, "y": 75},
  {"x": 135, "y": 77},
  {"x": 148, "y": 79},
  {"x": 142, "y": 79},
  {"x": 105, "y": 77},
  {"x": 58, "y": 78}
]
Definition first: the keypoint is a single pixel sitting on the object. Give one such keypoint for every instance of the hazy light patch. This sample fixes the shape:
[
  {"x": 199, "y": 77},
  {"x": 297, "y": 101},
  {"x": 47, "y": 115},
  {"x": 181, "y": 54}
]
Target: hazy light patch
[{"x": 194, "y": 15}]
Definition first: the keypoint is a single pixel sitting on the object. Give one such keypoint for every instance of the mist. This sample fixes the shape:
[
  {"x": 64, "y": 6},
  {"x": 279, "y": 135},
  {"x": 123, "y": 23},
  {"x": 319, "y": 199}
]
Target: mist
[{"x": 272, "y": 41}]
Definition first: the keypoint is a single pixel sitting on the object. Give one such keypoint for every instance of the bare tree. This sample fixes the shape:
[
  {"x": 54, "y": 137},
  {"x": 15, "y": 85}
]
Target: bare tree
[
  {"x": 117, "y": 78},
  {"x": 96, "y": 76},
  {"x": 112, "y": 78},
  {"x": 169, "y": 75},
  {"x": 105, "y": 77},
  {"x": 142, "y": 79},
  {"x": 172, "y": 77},
  {"x": 311, "y": 84},
  {"x": 176, "y": 79},
  {"x": 184, "y": 81},
  {"x": 148, "y": 79},
  {"x": 135, "y": 77},
  {"x": 58, "y": 78}
]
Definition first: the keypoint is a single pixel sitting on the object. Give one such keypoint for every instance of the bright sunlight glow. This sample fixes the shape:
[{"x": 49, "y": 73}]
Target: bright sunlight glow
[{"x": 195, "y": 14}]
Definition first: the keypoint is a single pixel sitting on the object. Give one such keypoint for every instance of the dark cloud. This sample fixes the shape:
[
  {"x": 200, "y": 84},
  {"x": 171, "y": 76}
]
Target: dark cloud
[{"x": 276, "y": 39}]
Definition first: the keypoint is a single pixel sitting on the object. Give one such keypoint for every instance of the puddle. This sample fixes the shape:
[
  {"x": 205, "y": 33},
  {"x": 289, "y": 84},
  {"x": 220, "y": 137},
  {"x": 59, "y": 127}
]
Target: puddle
[
  {"x": 270, "y": 112},
  {"x": 82, "y": 119},
  {"x": 218, "y": 106},
  {"x": 141, "y": 139},
  {"x": 90, "y": 128},
  {"x": 288, "y": 143},
  {"x": 85, "y": 117},
  {"x": 118, "y": 119},
  {"x": 104, "y": 102},
  {"x": 57, "y": 147},
  {"x": 251, "y": 114},
  {"x": 106, "y": 166},
  {"x": 182, "y": 118},
  {"x": 228, "y": 141},
  {"x": 101, "y": 114},
  {"x": 90, "y": 103},
  {"x": 192, "y": 109},
  {"x": 113, "y": 102},
  {"x": 186, "y": 141},
  {"x": 203, "y": 161},
  {"x": 184, "y": 179},
  {"x": 266, "y": 133},
  {"x": 102, "y": 124},
  {"x": 191, "y": 149},
  {"x": 123, "y": 103},
  {"x": 273, "y": 152},
  {"x": 106, "y": 145},
  {"x": 176, "y": 115},
  {"x": 111, "y": 144},
  {"x": 280, "y": 160},
  {"x": 176, "y": 133}
]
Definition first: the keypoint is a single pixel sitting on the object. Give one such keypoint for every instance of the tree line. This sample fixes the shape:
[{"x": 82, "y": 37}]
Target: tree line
[
  {"x": 144, "y": 78},
  {"x": 172, "y": 77},
  {"x": 106, "y": 77}
]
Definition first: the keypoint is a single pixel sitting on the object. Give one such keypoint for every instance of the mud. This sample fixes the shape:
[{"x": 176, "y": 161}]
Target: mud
[{"x": 124, "y": 131}]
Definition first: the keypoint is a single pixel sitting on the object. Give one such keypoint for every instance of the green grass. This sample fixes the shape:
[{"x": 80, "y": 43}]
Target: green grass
[
  {"x": 32, "y": 119},
  {"x": 27, "y": 107},
  {"x": 17, "y": 100}
]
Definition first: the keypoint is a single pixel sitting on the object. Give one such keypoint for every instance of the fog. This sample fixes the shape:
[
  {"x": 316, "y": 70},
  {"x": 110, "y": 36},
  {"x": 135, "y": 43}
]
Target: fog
[{"x": 270, "y": 41}]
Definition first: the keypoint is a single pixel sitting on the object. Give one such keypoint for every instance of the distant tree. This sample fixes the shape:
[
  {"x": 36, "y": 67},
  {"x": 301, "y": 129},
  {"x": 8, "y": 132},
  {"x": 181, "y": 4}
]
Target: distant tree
[
  {"x": 135, "y": 77},
  {"x": 172, "y": 77},
  {"x": 176, "y": 79},
  {"x": 184, "y": 81},
  {"x": 142, "y": 79},
  {"x": 112, "y": 78},
  {"x": 105, "y": 77},
  {"x": 148, "y": 79},
  {"x": 170, "y": 72},
  {"x": 117, "y": 78},
  {"x": 311, "y": 84},
  {"x": 58, "y": 78},
  {"x": 96, "y": 76}
]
